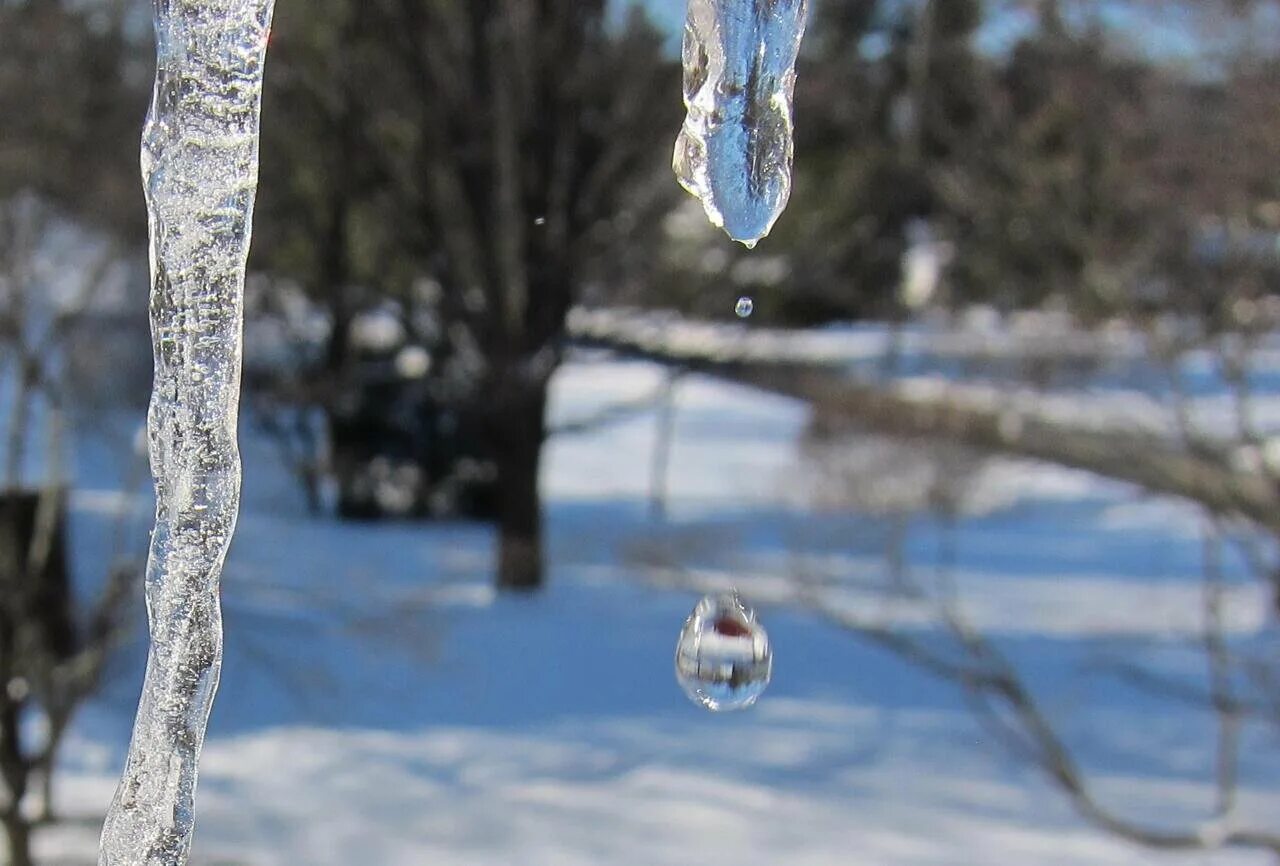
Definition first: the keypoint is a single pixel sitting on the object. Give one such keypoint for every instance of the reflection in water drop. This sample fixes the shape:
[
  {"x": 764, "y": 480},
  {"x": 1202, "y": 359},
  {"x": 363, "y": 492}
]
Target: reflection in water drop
[
  {"x": 745, "y": 307},
  {"x": 723, "y": 657}
]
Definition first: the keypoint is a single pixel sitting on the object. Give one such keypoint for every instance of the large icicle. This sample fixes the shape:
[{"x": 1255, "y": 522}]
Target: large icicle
[
  {"x": 734, "y": 152},
  {"x": 199, "y": 168}
]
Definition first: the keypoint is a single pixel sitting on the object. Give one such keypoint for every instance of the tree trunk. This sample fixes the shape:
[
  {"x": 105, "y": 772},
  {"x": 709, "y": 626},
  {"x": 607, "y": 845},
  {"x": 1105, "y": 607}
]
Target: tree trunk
[
  {"x": 18, "y": 835},
  {"x": 520, "y": 431},
  {"x": 36, "y": 628},
  {"x": 15, "y": 769},
  {"x": 661, "y": 458},
  {"x": 333, "y": 278}
]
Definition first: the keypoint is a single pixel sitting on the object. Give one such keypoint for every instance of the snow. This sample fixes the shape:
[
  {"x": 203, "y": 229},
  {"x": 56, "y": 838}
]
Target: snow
[
  {"x": 381, "y": 704},
  {"x": 1102, "y": 380},
  {"x": 790, "y": 789},
  {"x": 712, "y": 464}
]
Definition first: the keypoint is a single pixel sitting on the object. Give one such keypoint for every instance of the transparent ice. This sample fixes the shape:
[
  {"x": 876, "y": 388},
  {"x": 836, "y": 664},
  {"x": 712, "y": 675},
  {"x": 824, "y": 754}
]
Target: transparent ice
[
  {"x": 199, "y": 168},
  {"x": 735, "y": 150},
  {"x": 723, "y": 657},
  {"x": 744, "y": 308}
]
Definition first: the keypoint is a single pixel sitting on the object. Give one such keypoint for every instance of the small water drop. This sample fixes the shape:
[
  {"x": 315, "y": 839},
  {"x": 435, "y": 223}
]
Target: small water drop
[
  {"x": 723, "y": 657},
  {"x": 745, "y": 307},
  {"x": 539, "y": 221}
]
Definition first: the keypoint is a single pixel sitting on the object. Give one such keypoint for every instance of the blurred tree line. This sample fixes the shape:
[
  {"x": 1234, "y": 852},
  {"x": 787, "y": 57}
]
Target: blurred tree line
[
  {"x": 74, "y": 81},
  {"x": 73, "y": 86},
  {"x": 442, "y": 180}
]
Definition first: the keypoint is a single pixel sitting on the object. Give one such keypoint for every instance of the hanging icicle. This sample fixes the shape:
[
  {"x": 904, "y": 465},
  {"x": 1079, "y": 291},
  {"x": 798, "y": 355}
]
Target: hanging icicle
[
  {"x": 734, "y": 152},
  {"x": 199, "y": 167}
]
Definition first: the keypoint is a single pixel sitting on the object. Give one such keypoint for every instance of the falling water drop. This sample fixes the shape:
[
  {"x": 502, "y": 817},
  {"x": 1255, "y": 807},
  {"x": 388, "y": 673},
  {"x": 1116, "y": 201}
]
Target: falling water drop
[
  {"x": 745, "y": 307},
  {"x": 723, "y": 657}
]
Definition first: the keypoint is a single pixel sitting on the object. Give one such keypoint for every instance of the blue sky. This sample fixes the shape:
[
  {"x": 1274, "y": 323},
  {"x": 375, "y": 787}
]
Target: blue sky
[
  {"x": 1172, "y": 35},
  {"x": 669, "y": 15}
]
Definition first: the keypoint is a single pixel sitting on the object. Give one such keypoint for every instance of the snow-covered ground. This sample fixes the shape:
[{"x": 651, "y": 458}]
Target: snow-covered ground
[
  {"x": 1028, "y": 363},
  {"x": 381, "y": 706}
]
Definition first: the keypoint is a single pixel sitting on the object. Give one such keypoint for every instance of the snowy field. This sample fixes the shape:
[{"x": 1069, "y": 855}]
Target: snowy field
[{"x": 380, "y": 706}]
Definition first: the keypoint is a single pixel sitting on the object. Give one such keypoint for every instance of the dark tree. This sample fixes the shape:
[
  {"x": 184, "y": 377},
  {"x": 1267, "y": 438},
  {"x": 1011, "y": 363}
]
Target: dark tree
[
  {"x": 500, "y": 151},
  {"x": 72, "y": 94}
]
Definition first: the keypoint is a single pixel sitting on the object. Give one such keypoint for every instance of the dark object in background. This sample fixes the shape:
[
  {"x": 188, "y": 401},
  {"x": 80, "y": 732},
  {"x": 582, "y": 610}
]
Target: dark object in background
[
  {"x": 398, "y": 452},
  {"x": 35, "y": 588},
  {"x": 37, "y": 633},
  {"x": 51, "y": 660}
]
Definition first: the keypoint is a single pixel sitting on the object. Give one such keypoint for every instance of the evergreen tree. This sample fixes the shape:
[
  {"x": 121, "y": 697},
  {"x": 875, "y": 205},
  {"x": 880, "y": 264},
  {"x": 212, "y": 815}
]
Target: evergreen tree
[
  {"x": 1053, "y": 206},
  {"x": 72, "y": 95}
]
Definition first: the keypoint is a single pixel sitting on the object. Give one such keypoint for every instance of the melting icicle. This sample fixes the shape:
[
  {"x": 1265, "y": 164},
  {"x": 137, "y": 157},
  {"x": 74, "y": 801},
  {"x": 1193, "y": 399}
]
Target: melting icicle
[
  {"x": 734, "y": 152},
  {"x": 199, "y": 167},
  {"x": 723, "y": 658}
]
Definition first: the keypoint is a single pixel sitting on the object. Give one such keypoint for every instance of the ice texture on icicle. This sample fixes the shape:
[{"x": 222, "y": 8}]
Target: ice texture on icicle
[
  {"x": 734, "y": 152},
  {"x": 199, "y": 168}
]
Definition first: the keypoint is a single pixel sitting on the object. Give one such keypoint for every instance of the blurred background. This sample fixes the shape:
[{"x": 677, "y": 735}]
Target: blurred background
[{"x": 993, "y": 449}]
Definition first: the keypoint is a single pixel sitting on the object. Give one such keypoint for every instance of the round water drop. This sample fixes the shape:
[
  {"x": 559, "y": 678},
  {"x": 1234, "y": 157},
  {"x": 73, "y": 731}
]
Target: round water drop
[
  {"x": 723, "y": 657},
  {"x": 745, "y": 307}
]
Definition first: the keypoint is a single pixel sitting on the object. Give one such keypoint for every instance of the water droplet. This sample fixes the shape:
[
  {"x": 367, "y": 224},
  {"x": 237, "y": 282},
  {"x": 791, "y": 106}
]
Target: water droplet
[
  {"x": 745, "y": 307},
  {"x": 723, "y": 657},
  {"x": 539, "y": 221}
]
